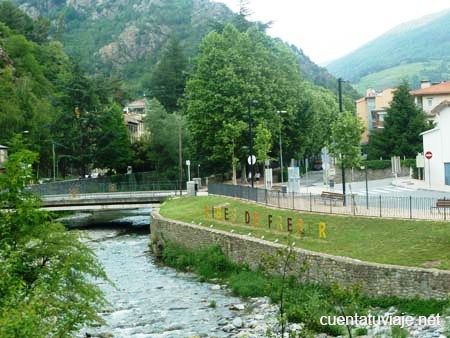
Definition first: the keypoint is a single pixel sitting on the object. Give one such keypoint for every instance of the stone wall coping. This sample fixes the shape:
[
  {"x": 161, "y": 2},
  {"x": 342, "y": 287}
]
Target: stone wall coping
[{"x": 341, "y": 259}]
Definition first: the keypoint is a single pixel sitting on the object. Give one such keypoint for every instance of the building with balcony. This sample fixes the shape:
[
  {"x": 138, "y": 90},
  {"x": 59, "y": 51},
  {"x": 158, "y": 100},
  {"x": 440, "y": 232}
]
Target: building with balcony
[
  {"x": 134, "y": 114},
  {"x": 430, "y": 96},
  {"x": 372, "y": 110}
]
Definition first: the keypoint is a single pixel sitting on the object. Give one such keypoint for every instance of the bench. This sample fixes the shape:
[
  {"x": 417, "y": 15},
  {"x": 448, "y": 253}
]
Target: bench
[
  {"x": 442, "y": 204},
  {"x": 332, "y": 196}
]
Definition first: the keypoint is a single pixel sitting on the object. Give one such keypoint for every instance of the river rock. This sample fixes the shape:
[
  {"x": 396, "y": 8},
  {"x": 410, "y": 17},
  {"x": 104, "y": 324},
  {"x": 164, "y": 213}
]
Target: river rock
[
  {"x": 237, "y": 307},
  {"x": 215, "y": 287},
  {"x": 237, "y": 322},
  {"x": 228, "y": 328}
]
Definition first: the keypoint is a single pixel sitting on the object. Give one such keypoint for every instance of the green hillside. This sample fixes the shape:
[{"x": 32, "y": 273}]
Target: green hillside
[
  {"x": 412, "y": 72},
  {"x": 128, "y": 38},
  {"x": 415, "y": 50}
]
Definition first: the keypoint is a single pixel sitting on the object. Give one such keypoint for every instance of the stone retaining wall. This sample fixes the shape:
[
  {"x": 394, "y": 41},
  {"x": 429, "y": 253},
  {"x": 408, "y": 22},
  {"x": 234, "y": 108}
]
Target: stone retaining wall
[{"x": 375, "y": 279}]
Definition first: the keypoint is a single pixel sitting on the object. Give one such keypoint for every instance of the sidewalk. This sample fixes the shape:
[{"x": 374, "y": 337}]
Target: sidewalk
[{"x": 418, "y": 184}]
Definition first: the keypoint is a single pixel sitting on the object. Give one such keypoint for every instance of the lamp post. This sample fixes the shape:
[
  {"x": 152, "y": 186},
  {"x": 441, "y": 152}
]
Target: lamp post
[
  {"x": 341, "y": 109},
  {"x": 198, "y": 170},
  {"x": 54, "y": 161},
  {"x": 281, "y": 147},
  {"x": 250, "y": 123}
]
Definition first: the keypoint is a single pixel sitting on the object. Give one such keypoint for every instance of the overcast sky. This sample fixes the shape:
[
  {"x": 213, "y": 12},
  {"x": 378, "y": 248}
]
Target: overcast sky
[{"x": 329, "y": 29}]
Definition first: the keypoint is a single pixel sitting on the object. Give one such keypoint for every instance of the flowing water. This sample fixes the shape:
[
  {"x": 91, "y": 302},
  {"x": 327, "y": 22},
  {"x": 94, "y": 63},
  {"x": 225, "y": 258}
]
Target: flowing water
[{"x": 150, "y": 300}]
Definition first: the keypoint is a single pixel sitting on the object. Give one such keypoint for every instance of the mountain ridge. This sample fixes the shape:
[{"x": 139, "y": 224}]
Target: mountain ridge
[{"x": 404, "y": 44}]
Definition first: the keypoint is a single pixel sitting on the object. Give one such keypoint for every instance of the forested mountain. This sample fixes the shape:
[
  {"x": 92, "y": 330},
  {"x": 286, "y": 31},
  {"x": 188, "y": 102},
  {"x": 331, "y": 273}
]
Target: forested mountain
[
  {"x": 191, "y": 57},
  {"x": 414, "y": 51},
  {"x": 46, "y": 100},
  {"x": 127, "y": 38}
]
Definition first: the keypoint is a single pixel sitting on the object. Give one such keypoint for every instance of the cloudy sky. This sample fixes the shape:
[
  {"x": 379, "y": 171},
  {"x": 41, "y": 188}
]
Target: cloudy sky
[{"x": 329, "y": 29}]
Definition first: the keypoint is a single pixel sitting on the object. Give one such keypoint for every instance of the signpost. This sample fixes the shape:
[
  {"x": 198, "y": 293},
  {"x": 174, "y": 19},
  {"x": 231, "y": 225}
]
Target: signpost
[
  {"x": 420, "y": 164},
  {"x": 188, "y": 163},
  {"x": 429, "y": 156},
  {"x": 396, "y": 168}
]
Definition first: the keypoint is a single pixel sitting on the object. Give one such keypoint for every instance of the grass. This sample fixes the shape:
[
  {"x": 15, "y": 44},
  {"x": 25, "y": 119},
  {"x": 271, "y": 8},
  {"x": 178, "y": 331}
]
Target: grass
[
  {"x": 304, "y": 302},
  {"x": 388, "y": 241}
]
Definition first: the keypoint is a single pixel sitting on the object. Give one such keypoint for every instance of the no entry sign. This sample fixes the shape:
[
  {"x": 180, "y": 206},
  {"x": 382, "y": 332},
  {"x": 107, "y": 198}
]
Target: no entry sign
[{"x": 428, "y": 155}]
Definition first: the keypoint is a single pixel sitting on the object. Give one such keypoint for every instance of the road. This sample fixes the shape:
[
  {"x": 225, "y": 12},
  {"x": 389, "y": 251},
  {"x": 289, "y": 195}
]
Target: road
[{"x": 384, "y": 187}]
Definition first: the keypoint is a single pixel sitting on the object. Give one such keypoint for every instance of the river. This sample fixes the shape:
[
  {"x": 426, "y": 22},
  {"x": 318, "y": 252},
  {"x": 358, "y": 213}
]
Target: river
[{"x": 150, "y": 300}]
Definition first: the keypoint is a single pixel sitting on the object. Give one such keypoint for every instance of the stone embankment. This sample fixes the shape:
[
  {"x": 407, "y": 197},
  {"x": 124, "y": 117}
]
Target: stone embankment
[{"x": 374, "y": 279}]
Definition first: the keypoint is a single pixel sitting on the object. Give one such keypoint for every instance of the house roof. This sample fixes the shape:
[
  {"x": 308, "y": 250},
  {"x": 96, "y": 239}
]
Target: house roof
[
  {"x": 429, "y": 131},
  {"x": 137, "y": 104},
  {"x": 3, "y": 147},
  {"x": 440, "y": 107},
  {"x": 439, "y": 89}
]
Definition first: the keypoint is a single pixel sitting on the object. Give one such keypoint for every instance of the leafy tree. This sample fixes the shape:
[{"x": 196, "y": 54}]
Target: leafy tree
[
  {"x": 163, "y": 147},
  {"x": 346, "y": 133},
  {"x": 230, "y": 135},
  {"x": 402, "y": 127},
  {"x": 46, "y": 273},
  {"x": 168, "y": 77},
  {"x": 233, "y": 69},
  {"x": 263, "y": 143},
  {"x": 113, "y": 148}
]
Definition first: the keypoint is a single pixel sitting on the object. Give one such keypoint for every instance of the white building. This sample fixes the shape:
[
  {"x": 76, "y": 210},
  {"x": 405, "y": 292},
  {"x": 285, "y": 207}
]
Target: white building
[
  {"x": 134, "y": 115},
  {"x": 437, "y": 141}
]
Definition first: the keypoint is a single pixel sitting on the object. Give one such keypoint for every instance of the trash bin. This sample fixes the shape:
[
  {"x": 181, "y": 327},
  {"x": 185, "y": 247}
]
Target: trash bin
[
  {"x": 284, "y": 188},
  {"x": 331, "y": 183}
]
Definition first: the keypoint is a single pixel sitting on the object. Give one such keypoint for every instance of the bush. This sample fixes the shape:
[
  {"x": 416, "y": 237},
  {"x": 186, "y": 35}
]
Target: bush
[
  {"x": 378, "y": 164},
  {"x": 415, "y": 306},
  {"x": 361, "y": 331},
  {"x": 211, "y": 263},
  {"x": 248, "y": 284}
]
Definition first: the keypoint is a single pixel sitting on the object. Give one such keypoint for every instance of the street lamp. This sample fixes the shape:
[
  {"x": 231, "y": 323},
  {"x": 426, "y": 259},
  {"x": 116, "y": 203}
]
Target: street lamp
[
  {"x": 341, "y": 109},
  {"x": 281, "y": 147},
  {"x": 250, "y": 122}
]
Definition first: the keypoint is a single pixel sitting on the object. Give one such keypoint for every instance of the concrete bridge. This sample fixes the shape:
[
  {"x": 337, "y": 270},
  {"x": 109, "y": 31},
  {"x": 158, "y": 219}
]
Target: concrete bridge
[
  {"x": 139, "y": 190},
  {"x": 105, "y": 201}
]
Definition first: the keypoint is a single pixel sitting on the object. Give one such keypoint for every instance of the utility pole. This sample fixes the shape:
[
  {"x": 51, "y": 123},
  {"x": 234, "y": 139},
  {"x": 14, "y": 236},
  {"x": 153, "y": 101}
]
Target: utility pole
[
  {"x": 281, "y": 147},
  {"x": 250, "y": 122},
  {"x": 341, "y": 109},
  {"x": 180, "y": 158},
  {"x": 54, "y": 161}
]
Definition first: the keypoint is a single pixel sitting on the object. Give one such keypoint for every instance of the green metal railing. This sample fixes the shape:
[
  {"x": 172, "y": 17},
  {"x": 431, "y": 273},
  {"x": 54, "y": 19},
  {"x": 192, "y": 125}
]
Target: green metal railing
[{"x": 109, "y": 184}]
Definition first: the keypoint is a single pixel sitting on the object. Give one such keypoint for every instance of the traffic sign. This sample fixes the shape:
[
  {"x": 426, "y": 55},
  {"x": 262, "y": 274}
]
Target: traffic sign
[
  {"x": 251, "y": 159},
  {"x": 428, "y": 155},
  {"x": 188, "y": 162}
]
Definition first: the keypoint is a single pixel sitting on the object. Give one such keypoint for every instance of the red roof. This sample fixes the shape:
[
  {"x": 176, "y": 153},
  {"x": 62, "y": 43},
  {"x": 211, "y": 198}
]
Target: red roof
[{"x": 439, "y": 89}]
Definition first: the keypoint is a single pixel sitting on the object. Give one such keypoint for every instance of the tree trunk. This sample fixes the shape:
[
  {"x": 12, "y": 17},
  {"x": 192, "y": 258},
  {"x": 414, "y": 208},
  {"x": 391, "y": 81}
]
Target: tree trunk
[{"x": 234, "y": 175}]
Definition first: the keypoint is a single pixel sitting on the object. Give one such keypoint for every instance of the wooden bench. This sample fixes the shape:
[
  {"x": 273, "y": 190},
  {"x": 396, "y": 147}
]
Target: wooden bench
[
  {"x": 442, "y": 204},
  {"x": 332, "y": 196}
]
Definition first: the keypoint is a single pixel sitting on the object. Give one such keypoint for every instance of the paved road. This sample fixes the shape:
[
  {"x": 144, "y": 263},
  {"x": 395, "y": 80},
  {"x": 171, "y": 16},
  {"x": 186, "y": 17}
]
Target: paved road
[{"x": 385, "y": 187}]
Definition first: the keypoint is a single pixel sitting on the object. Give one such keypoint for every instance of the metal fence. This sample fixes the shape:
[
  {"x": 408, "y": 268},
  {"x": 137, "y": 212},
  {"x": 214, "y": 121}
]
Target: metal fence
[
  {"x": 376, "y": 206},
  {"x": 118, "y": 183}
]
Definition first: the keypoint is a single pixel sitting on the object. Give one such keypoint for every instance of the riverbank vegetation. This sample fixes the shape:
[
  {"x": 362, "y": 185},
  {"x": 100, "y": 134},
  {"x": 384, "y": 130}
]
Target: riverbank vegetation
[
  {"x": 302, "y": 302},
  {"x": 46, "y": 273},
  {"x": 388, "y": 241}
]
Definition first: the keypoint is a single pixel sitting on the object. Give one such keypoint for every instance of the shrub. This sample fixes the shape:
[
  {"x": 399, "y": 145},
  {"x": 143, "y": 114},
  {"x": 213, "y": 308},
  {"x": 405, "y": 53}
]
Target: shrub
[{"x": 248, "y": 284}]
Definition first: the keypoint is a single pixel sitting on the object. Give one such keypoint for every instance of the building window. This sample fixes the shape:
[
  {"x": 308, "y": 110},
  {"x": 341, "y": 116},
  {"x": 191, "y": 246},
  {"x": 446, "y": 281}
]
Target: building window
[
  {"x": 430, "y": 102},
  {"x": 381, "y": 117}
]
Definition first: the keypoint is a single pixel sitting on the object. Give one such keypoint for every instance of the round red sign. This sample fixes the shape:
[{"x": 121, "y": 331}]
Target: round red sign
[{"x": 428, "y": 155}]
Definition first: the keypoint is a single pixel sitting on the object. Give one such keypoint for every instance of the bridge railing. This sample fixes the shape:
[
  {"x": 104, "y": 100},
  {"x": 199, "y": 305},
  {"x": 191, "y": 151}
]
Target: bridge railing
[{"x": 77, "y": 187}]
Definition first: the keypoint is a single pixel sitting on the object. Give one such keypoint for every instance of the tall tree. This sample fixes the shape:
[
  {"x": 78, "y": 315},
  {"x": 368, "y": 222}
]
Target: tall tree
[
  {"x": 402, "y": 127},
  {"x": 46, "y": 272},
  {"x": 345, "y": 139},
  {"x": 240, "y": 76},
  {"x": 168, "y": 78},
  {"x": 163, "y": 147},
  {"x": 113, "y": 147}
]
